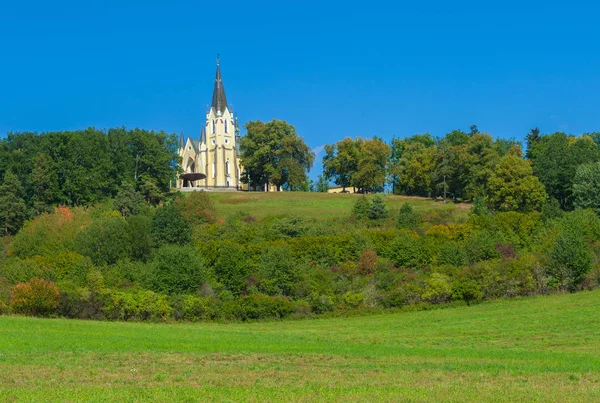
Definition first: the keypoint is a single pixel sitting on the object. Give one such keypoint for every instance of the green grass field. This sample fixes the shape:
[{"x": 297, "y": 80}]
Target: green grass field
[
  {"x": 316, "y": 205},
  {"x": 537, "y": 349}
]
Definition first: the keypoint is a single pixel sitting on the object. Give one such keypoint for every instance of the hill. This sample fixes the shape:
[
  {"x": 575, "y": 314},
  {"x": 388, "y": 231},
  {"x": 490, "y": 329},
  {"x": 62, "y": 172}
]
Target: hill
[{"x": 542, "y": 349}]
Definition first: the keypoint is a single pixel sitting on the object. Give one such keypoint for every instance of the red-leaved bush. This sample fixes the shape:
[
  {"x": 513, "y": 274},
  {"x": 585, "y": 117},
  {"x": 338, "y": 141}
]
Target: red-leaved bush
[{"x": 37, "y": 297}]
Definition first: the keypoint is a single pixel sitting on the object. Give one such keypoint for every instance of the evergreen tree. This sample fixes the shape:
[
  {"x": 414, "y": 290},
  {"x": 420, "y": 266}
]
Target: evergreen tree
[{"x": 12, "y": 206}]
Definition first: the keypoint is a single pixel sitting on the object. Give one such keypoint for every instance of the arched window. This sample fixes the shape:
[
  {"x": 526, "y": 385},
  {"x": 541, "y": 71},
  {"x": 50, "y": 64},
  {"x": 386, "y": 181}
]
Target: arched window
[
  {"x": 225, "y": 125},
  {"x": 227, "y": 168},
  {"x": 214, "y": 127},
  {"x": 214, "y": 167}
]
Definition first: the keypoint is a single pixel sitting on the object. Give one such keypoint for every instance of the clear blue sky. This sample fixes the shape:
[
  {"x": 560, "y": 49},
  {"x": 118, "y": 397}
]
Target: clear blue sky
[{"x": 333, "y": 69}]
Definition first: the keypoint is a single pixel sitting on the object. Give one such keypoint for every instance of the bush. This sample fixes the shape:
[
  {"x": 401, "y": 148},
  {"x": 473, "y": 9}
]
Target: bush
[
  {"x": 37, "y": 297},
  {"x": 367, "y": 262},
  {"x": 407, "y": 219},
  {"x": 177, "y": 270},
  {"x": 196, "y": 208},
  {"x": 437, "y": 289},
  {"x": 377, "y": 210},
  {"x": 140, "y": 305},
  {"x": 105, "y": 241},
  {"x": 467, "y": 290},
  {"x": 292, "y": 227},
  {"x": 408, "y": 250},
  {"x": 260, "y": 306},
  {"x": 277, "y": 271},
  {"x": 170, "y": 227},
  {"x": 570, "y": 260},
  {"x": 232, "y": 267},
  {"x": 361, "y": 208}
]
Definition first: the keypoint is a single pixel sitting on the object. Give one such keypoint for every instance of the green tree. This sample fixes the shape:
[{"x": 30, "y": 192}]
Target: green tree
[
  {"x": 378, "y": 210},
  {"x": 177, "y": 269},
  {"x": 12, "y": 206},
  {"x": 340, "y": 162},
  {"x": 557, "y": 157},
  {"x": 273, "y": 152},
  {"x": 407, "y": 218},
  {"x": 105, "y": 241},
  {"x": 169, "y": 226},
  {"x": 586, "y": 186},
  {"x": 371, "y": 170},
  {"x": 512, "y": 186},
  {"x": 128, "y": 201},
  {"x": 322, "y": 184},
  {"x": 45, "y": 183}
]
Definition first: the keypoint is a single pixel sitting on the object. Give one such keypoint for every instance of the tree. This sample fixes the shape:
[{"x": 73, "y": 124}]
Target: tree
[
  {"x": 371, "y": 169},
  {"x": 274, "y": 153},
  {"x": 340, "y": 162},
  {"x": 45, "y": 183},
  {"x": 557, "y": 157},
  {"x": 532, "y": 138},
  {"x": 128, "y": 201},
  {"x": 378, "y": 210},
  {"x": 473, "y": 130},
  {"x": 170, "y": 227},
  {"x": 322, "y": 184},
  {"x": 512, "y": 186},
  {"x": 586, "y": 186},
  {"x": 12, "y": 205}
]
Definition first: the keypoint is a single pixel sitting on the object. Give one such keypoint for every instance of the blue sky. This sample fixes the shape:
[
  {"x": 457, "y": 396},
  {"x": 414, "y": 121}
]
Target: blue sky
[{"x": 333, "y": 69}]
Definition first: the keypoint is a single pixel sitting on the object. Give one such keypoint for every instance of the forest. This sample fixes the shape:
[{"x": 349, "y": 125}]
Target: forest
[{"x": 93, "y": 230}]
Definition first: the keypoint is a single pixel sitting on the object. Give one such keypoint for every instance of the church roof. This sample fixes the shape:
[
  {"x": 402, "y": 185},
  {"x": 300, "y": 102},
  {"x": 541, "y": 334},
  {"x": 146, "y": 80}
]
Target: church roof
[
  {"x": 219, "y": 100},
  {"x": 196, "y": 145},
  {"x": 203, "y": 135}
]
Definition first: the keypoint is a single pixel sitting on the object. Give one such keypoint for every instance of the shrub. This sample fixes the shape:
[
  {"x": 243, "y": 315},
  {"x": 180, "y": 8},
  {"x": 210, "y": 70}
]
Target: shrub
[
  {"x": 377, "y": 210},
  {"x": 467, "y": 290},
  {"x": 408, "y": 250},
  {"x": 292, "y": 227},
  {"x": 367, "y": 262},
  {"x": 140, "y": 305},
  {"x": 260, "y": 306},
  {"x": 361, "y": 208},
  {"x": 105, "y": 240},
  {"x": 570, "y": 260},
  {"x": 128, "y": 201},
  {"x": 170, "y": 227},
  {"x": 37, "y": 297},
  {"x": 481, "y": 246},
  {"x": 21, "y": 271},
  {"x": 196, "y": 208},
  {"x": 407, "y": 218},
  {"x": 353, "y": 299},
  {"x": 232, "y": 267},
  {"x": 437, "y": 289},
  {"x": 452, "y": 254},
  {"x": 177, "y": 270},
  {"x": 277, "y": 271}
]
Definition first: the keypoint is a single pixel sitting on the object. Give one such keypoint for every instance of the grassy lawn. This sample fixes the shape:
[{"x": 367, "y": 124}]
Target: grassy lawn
[
  {"x": 537, "y": 349},
  {"x": 314, "y": 205}
]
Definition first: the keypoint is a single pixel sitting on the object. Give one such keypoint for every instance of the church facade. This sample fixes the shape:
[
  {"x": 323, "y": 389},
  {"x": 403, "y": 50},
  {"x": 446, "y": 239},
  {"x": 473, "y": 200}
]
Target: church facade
[{"x": 213, "y": 160}]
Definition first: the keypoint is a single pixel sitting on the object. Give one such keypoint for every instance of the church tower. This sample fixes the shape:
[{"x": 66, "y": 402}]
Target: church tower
[
  {"x": 222, "y": 160},
  {"x": 216, "y": 154}
]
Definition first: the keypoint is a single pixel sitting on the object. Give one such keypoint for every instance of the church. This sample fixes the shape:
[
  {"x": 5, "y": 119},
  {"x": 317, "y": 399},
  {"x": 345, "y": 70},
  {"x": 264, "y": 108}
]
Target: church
[{"x": 213, "y": 160}]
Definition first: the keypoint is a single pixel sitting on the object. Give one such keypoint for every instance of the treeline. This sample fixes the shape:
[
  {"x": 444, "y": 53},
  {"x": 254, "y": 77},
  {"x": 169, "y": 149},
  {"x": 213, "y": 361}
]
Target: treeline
[
  {"x": 125, "y": 260},
  {"x": 78, "y": 168},
  {"x": 464, "y": 166}
]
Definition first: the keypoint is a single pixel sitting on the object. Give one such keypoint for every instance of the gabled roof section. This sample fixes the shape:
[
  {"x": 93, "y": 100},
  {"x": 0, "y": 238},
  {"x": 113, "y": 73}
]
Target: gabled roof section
[{"x": 219, "y": 100}]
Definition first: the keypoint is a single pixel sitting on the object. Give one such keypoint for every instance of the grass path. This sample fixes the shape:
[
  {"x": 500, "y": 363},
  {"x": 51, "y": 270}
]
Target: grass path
[{"x": 538, "y": 349}]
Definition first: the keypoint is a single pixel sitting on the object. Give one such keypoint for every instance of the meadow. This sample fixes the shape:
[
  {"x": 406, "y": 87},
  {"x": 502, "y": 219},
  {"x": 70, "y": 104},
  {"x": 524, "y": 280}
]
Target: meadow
[
  {"x": 314, "y": 205},
  {"x": 532, "y": 349}
]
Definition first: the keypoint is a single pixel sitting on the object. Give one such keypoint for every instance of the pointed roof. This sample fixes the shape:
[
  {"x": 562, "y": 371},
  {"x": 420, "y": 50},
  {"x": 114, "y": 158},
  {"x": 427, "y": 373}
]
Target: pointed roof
[
  {"x": 219, "y": 100},
  {"x": 203, "y": 135},
  {"x": 181, "y": 141}
]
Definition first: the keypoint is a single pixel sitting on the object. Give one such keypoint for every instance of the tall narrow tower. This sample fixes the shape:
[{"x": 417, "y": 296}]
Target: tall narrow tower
[{"x": 221, "y": 145}]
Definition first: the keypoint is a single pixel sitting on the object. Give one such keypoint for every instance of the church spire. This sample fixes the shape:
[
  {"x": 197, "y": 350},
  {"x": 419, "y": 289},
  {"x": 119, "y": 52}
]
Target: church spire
[{"x": 219, "y": 101}]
